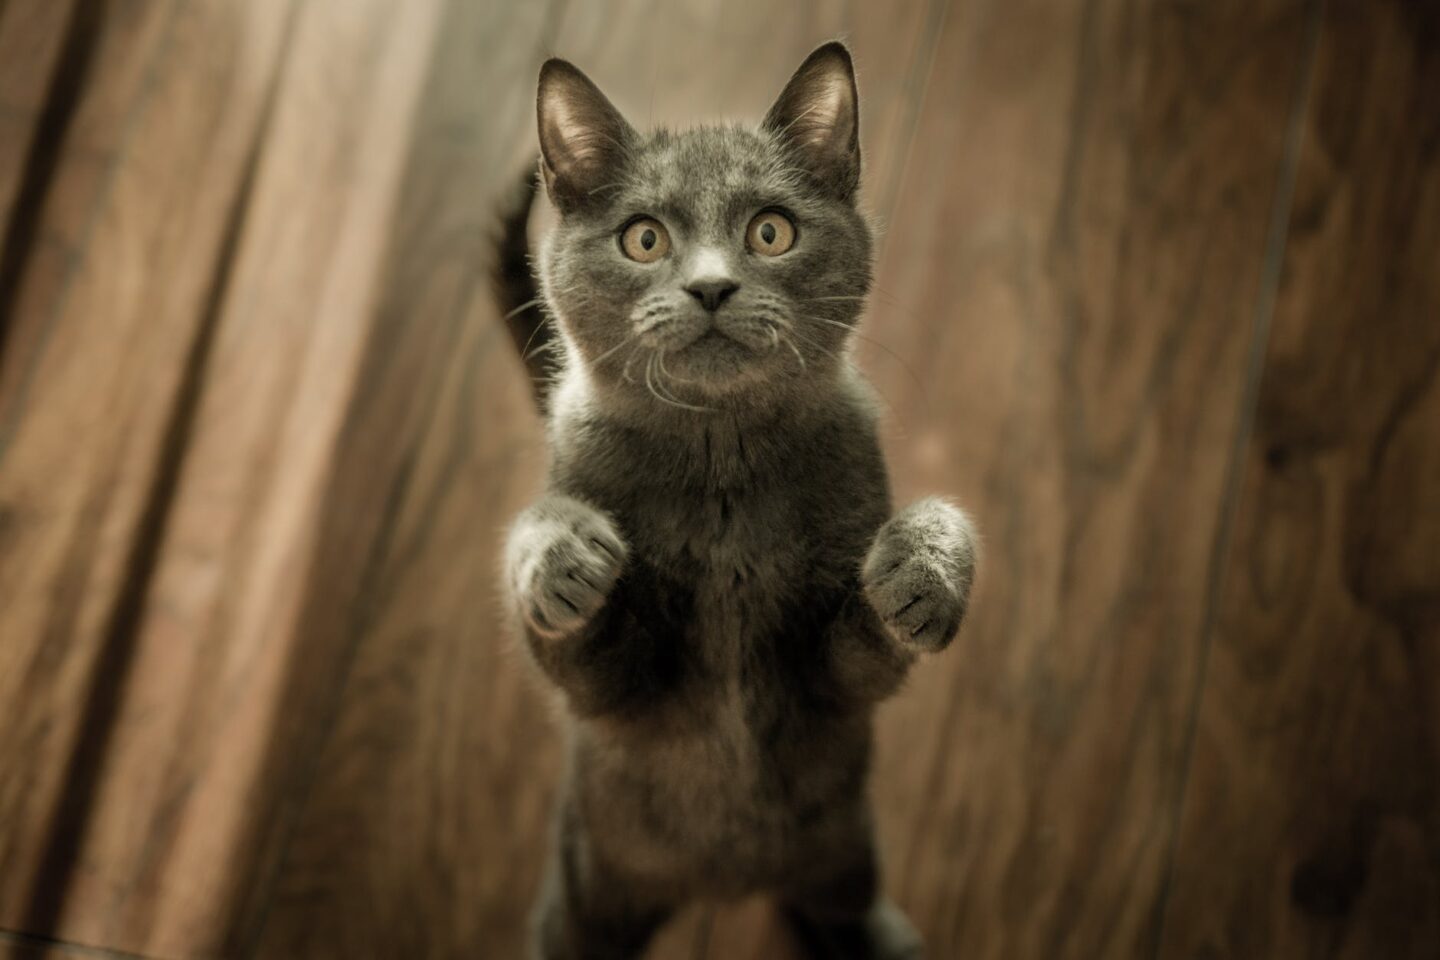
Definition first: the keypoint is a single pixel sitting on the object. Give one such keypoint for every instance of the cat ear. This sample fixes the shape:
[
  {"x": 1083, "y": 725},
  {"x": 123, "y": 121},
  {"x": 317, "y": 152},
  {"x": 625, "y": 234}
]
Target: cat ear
[
  {"x": 582, "y": 136},
  {"x": 818, "y": 118}
]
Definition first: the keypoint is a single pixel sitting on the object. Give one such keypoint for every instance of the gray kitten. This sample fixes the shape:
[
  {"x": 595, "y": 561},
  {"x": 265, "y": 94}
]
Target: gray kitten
[{"x": 713, "y": 577}]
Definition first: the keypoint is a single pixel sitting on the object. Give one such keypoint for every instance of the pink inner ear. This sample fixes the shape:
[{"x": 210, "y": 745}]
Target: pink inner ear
[
  {"x": 826, "y": 118},
  {"x": 817, "y": 109},
  {"x": 570, "y": 134},
  {"x": 581, "y": 134},
  {"x": 564, "y": 140},
  {"x": 827, "y": 115}
]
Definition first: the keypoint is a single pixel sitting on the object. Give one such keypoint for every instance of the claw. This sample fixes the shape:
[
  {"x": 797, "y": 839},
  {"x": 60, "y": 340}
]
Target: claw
[
  {"x": 575, "y": 574},
  {"x": 898, "y": 613}
]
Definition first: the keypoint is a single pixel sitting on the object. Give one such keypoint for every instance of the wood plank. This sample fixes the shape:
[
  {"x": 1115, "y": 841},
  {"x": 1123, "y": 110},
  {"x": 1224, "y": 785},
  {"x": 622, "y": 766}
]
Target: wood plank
[
  {"x": 420, "y": 809},
  {"x": 101, "y": 88},
  {"x": 1312, "y": 818},
  {"x": 97, "y": 344},
  {"x": 34, "y": 38},
  {"x": 186, "y": 802},
  {"x": 426, "y": 829},
  {"x": 1073, "y": 273}
]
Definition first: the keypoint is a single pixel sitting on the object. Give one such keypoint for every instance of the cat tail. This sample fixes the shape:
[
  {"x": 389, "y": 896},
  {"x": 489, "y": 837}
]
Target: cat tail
[{"x": 513, "y": 283}]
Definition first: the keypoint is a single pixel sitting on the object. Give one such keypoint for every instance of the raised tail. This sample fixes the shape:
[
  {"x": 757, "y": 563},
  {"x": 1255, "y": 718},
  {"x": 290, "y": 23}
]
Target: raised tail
[{"x": 513, "y": 283}]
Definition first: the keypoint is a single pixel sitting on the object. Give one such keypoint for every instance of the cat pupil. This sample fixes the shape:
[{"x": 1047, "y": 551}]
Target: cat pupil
[
  {"x": 767, "y": 232},
  {"x": 647, "y": 239}
]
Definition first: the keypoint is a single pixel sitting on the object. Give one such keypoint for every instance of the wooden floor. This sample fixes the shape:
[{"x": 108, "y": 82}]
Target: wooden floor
[{"x": 1158, "y": 298}]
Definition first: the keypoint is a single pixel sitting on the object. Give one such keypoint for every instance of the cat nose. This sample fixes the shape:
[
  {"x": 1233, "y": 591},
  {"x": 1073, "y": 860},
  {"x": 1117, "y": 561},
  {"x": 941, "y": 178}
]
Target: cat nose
[{"x": 712, "y": 292}]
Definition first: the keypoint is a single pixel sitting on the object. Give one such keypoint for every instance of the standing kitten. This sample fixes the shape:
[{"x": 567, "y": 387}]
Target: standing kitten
[{"x": 713, "y": 578}]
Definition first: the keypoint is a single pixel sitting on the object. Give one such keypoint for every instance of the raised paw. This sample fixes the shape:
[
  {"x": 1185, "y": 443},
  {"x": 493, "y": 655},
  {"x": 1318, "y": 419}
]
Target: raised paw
[
  {"x": 918, "y": 573},
  {"x": 563, "y": 560}
]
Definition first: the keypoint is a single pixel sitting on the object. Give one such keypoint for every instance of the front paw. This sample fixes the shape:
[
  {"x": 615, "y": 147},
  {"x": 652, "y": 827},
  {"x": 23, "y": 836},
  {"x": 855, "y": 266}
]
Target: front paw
[
  {"x": 918, "y": 573},
  {"x": 564, "y": 558}
]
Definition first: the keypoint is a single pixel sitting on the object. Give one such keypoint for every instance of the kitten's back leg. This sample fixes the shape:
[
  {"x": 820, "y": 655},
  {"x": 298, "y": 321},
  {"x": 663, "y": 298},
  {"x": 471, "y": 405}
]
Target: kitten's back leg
[
  {"x": 840, "y": 914},
  {"x": 588, "y": 912}
]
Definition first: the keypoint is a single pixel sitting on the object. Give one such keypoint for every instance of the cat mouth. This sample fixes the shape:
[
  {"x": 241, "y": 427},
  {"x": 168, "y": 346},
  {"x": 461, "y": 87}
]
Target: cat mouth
[
  {"x": 716, "y": 361},
  {"x": 710, "y": 339},
  {"x": 742, "y": 335},
  {"x": 680, "y": 339},
  {"x": 711, "y": 336}
]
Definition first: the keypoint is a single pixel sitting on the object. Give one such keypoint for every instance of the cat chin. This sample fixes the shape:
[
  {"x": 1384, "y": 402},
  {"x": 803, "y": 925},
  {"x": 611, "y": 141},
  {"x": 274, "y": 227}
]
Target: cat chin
[{"x": 716, "y": 364}]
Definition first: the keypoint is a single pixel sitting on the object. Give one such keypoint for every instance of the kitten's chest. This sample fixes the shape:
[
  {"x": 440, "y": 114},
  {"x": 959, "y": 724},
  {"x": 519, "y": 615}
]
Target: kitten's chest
[
  {"x": 745, "y": 585},
  {"x": 740, "y": 554}
]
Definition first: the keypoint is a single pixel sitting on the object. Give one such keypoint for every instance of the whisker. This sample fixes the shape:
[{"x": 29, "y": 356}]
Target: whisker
[
  {"x": 544, "y": 319},
  {"x": 666, "y": 374},
  {"x": 608, "y": 353},
  {"x": 522, "y": 308},
  {"x": 875, "y": 293},
  {"x": 663, "y": 387},
  {"x": 650, "y": 385},
  {"x": 625, "y": 371},
  {"x": 796, "y": 350},
  {"x": 656, "y": 365},
  {"x": 525, "y": 351},
  {"x": 889, "y": 405},
  {"x": 909, "y": 370},
  {"x": 813, "y": 345}
]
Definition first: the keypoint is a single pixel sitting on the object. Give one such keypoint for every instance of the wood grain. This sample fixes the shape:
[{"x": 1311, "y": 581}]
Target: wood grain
[
  {"x": 1074, "y": 274},
  {"x": 40, "y": 45},
  {"x": 1312, "y": 818},
  {"x": 420, "y": 808},
  {"x": 187, "y": 808},
  {"x": 97, "y": 347}
]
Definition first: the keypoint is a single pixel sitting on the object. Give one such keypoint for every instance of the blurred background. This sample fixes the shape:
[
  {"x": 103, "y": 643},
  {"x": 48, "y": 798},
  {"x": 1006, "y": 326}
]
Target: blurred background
[{"x": 1158, "y": 299}]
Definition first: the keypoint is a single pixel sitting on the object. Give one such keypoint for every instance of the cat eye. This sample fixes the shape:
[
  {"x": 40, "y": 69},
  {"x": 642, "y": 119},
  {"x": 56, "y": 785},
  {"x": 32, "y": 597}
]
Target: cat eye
[
  {"x": 770, "y": 234},
  {"x": 645, "y": 240}
]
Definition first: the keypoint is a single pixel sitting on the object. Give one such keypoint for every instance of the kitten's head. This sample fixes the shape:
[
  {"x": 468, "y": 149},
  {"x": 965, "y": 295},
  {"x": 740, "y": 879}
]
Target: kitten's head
[{"x": 713, "y": 268}]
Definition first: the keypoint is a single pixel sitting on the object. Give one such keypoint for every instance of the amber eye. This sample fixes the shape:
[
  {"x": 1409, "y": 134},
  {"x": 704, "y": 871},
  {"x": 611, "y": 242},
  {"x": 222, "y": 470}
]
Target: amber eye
[
  {"x": 645, "y": 240},
  {"x": 770, "y": 233}
]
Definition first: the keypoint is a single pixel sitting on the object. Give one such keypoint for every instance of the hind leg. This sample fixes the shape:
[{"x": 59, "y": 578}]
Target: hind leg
[
  {"x": 838, "y": 912},
  {"x": 590, "y": 911}
]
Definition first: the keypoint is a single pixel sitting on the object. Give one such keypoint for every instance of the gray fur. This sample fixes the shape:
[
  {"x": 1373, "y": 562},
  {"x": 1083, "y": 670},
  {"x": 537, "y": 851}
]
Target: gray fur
[{"x": 713, "y": 579}]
